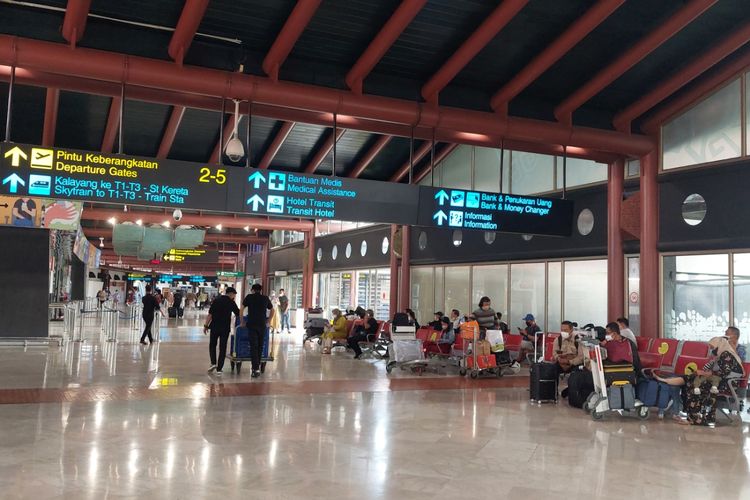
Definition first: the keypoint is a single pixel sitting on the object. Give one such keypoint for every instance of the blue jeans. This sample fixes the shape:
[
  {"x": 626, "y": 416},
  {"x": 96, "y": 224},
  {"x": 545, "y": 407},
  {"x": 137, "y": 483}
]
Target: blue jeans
[{"x": 285, "y": 320}]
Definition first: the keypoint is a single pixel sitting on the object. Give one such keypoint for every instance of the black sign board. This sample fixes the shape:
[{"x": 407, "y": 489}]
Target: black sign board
[
  {"x": 464, "y": 209},
  {"x": 191, "y": 255},
  {"x": 27, "y": 170}
]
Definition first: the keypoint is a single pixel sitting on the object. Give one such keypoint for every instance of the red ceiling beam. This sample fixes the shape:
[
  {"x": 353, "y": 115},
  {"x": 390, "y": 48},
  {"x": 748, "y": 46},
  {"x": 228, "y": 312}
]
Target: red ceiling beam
[
  {"x": 293, "y": 28},
  {"x": 203, "y": 220},
  {"x": 366, "y": 112},
  {"x": 442, "y": 155},
  {"x": 74, "y": 23},
  {"x": 697, "y": 67},
  {"x": 697, "y": 92},
  {"x": 167, "y": 139},
  {"x": 113, "y": 125},
  {"x": 275, "y": 146},
  {"x": 646, "y": 45},
  {"x": 187, "y": 26},
  {"x": 387, "y": 35},
  {"x": 323, "y": 151},
  {"x": 51, "y": 106},
  {"x": 376, "y": 148},
  {"x": 416, "y": 157},
  {"x": 228, "y": 129},
  {"x": 491, "y": 26},
  {"x": 549, "y": 56}
]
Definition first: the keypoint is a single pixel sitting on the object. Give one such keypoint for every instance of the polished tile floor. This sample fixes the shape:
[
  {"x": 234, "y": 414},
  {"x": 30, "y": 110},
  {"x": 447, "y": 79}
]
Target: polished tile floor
[{"x": 117, "y": 420}]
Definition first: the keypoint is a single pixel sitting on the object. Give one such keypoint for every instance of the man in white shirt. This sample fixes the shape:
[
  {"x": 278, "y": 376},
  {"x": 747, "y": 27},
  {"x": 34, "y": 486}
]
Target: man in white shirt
[{"x": 625, "y": 330}]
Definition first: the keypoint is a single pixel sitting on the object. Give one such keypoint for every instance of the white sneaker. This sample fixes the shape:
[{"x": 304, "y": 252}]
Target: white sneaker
[
  {"x": 219, "y": 372},
  {"x": 211, "y": 368},
  {"x": 714, "y": 390}
]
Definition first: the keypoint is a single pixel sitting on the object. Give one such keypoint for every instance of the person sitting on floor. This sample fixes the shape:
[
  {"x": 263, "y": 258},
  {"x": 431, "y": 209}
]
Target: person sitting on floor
[
  {"x": 363, "y": 332},
  {"x": 702, "y": 387},
  {"x": 443, "y": 340}
]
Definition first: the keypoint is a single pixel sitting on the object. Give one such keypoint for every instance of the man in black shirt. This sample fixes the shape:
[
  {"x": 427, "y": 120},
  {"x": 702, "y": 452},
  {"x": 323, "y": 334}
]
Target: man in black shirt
[
  {"x": 258, "y": 319},
  {"x": 366, "y": 331},
  {"x": 150, "y": 306},
  {"x": 219, "y": 321}
]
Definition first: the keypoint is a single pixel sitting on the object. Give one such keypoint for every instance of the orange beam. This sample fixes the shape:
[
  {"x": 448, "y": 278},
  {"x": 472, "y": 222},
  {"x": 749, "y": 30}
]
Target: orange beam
[
  {"x": 74, "y": 22},
  {"x": 417, "y": 157},
  {"x": 324, "y": 150},
  {"x": 113, "y": 124},
  {"x": 275, "y": 146},
  {"x": 187, "y": 26},
  {"x": 228, "y": 128},
  {"x": 448, "y": 149},
  {"x": 167, "y": 139},
  {"x": 51, "y": 107},
  {"x": 284, "y": 43}
]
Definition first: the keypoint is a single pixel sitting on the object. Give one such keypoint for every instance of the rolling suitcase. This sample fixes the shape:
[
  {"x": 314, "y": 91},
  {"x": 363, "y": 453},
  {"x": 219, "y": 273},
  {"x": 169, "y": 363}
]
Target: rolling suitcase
[
  {"x": 241, "y": 343},
  {"x": 621, "y": 396},
  {"x": 543, "y": 379},
  {"x": 172, "y": 312},
  {"x": 618, "y": 372},
  {"x": 654, "y": 393},
  {"x": 580, "y": 387}
]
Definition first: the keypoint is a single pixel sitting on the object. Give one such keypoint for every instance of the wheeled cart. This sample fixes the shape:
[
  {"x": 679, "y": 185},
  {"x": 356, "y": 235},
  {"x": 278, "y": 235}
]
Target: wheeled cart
[
  {"x": 615, "y": 398},
  {"x": 239, "y": 349},
  {"x": 476, "y": 365}
]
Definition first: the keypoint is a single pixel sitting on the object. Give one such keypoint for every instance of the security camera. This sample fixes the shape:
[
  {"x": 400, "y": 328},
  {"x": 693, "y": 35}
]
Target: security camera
[
  {"x": 235, "y": 150},
  {"x": 177, "y": 214}
]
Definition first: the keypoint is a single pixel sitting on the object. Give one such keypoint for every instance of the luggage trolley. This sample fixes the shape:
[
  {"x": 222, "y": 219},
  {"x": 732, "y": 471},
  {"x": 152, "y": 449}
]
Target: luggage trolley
[
  {"x": 476, "y": 365},
  {"x": 405, "y": 351},
  {"x": 604, "y": 398},
  {"x": 315, "y": 324},
  {"x": 239, "y": 349}
]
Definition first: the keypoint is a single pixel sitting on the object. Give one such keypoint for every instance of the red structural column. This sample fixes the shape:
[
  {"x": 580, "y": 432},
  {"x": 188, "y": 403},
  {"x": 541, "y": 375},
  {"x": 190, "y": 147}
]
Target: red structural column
[
  {"x": 394, "y": 274},
  {"x": 649, "y": 272},
  {"x": 405, "y": 268},
  {"x": 308, "y": 270},
  {"x": 615, "y": 255},
  {"x": 52, "y": 104}
]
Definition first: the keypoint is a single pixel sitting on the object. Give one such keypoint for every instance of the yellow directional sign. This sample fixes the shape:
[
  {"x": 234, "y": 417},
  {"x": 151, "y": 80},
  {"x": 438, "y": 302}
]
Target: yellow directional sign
[
  {"x": 42, "y": 158},
  {"x": 15, "y": 154}
]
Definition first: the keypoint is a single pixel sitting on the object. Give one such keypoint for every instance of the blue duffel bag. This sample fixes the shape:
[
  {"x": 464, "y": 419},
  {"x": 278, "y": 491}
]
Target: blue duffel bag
[{"x": 654, "y": 393}]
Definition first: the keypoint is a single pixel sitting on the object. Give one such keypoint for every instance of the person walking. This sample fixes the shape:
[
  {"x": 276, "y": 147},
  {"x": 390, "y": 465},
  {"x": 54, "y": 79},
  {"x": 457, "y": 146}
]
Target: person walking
[
  {"x": 284, "y": 310},
  {"x": 219, "y": 323},
  {"x": 150, "y": 307},
  {"x": 260, "y": 313}
]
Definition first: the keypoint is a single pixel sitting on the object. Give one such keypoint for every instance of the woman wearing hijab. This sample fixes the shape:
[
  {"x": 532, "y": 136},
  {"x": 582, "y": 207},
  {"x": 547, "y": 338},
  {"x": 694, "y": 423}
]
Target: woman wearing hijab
[{"x": 701, "y": 387}]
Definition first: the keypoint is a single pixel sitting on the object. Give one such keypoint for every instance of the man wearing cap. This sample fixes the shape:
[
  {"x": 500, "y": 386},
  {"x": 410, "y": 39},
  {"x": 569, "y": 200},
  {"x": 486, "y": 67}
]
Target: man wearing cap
[
  {"x": 529, "y": 337},
  {"x": 260, "y": 312},
  {"x": 219, "y": 322}
]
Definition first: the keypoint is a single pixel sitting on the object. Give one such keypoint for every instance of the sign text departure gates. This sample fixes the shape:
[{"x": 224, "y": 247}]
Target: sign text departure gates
[{"x": 27, "y": 170}]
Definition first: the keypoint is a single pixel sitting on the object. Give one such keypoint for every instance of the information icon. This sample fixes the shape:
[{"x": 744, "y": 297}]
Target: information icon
[{"x": 456, "y": 219}]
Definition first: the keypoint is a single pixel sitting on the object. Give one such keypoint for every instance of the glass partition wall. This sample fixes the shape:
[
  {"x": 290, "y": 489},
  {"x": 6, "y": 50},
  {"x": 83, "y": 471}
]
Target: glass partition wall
[{"x": 552, "y": 291}]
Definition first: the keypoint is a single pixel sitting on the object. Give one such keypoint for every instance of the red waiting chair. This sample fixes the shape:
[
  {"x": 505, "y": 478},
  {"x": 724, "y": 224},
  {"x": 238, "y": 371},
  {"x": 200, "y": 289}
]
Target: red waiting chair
[
  {"x": 650, "y": 360},
  {"x": 667, "y": 348},
  {"x": 694, "y": 348},
  {"x": 643, "y": 343},
  {"x": 689, "y": 364}
]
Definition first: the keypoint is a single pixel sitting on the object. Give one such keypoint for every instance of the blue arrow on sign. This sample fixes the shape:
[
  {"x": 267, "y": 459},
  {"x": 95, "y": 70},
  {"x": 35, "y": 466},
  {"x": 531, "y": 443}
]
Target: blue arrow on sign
[
  {"x": 440, "y": 217},
  {"x": 441, "y": 196},
  {"x": 256, "y": 179},
  {"x": 14, "y": 181},
  {"x": 255, "y": 201}
]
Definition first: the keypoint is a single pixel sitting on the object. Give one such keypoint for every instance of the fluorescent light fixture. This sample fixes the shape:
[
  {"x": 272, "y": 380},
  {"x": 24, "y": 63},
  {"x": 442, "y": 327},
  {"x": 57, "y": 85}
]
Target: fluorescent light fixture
[
  {"x": 165, "y": 223},
  {"x": 139, "y": 222},
  {"x": 218, "y": 226},
  {"x": 247, "y": 228},
  {"x": 112, "y": 221}
]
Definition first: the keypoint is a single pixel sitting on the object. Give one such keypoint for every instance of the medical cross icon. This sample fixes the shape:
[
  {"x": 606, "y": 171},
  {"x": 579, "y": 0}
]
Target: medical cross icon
[{"x": 277, "y": 181}]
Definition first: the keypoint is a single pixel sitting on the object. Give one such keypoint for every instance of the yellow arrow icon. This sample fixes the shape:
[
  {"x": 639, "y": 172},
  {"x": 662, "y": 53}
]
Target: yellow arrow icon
[{"x": 16, "y": 154}]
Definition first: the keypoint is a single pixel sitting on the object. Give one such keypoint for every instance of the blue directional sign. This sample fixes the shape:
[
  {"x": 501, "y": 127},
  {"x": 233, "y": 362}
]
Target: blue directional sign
[
  {"x": 457, "y": 198},
  {"x": 255, "y": 201},
  {"x": 440, "y": 217},
  {"x": 13, "y": 180},
  {"x": 277, "y": 181},
  {"x": 441, "y": 196}
]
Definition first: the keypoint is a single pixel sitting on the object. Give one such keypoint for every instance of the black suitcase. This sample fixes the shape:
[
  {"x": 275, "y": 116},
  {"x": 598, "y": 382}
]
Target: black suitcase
[
  {"x": 618, "y": 372},
  {"x": 580, "y": 387},
  {"x": 543, "y": 383},
  {"x": 172, "y": 312}
]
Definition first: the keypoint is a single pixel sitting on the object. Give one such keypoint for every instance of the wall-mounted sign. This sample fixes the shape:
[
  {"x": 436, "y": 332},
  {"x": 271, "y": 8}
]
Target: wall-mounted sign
[
  {"x": 27, "y": 170},
  {"x": 229, "y": 274},
  {"x": 24, "y": 211},
  {"x": 139, "y": 277},
  {"x": 197, "y": 279},
  {"x": 191, "y": 255},
  {"x": 166, "y": 278},
  {"x": 462, "y": 209}
]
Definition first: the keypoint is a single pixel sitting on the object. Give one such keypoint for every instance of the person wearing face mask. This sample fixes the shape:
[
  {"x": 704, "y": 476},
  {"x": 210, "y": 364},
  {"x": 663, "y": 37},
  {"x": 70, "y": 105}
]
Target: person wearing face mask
[
  {"x": 529, "y": 335},
  {"x": 485, "y": 316},
  {"x": 567, "y": 352},
  {"x": 701, "y": 388},
  {"x": 625, "y": 330},
  {"x": 733, "y": 337}
]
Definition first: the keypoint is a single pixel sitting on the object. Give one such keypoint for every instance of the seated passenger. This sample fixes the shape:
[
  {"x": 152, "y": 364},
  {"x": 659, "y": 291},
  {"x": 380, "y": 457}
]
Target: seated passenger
[
  {"x": 733, "y": 336},
  {"x": 502, "y": 325},
  {"x": 625, "y": 330},
  {"x": 336, "y": 330},
  {"x": 619, "y": 349},
  {"x": 363, "y": 332},
  {"x": 444, "y": 340},
  {"x": 413, "y": 318},
  {"x": 567, "y": 352},
  {"x": 529, "y": 335},
  {"x": 435, "y": 323},
  {"x": 702, "y": 387},
  {"x": 456, "y": 320}
]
